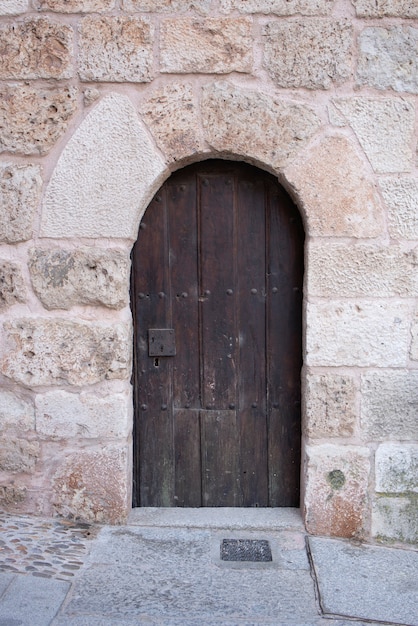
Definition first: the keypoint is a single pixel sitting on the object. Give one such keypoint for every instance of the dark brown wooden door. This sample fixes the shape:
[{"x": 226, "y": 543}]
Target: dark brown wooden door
[{"x": 217, "y": 305}]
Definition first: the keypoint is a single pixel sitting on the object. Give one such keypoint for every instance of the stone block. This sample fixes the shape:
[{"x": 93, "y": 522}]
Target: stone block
[
  {"x": 401, "y": 198},
  {"x": 279, "y": 7},
  {"x": 13, "y": 7},
  {"x": 80, "y": 491},
  {"x": 330, "y": 405},
  {"x": 361, "y": 270},
  {"x": 389, "y": 405},
  {"x": 18, "y": 455},
  {"x": 173, "y": 118},
  {"x": 15, "y": 412},
  {"x": 12, "y": 288},
  {"x": 57, "y": 352},
  {"x": 20, "y": 191},
  {"x": 397, "y": 468},
  {"x": 314, "y": 53},
  {"x": 63, "y": 415},
  {"x": 116, "y": 49},
  {"x": 64, "y": 278},
  {"x": 337, "y": 196},
  {"x": 386, "y": 8},
  {"x": 362, "y": 333},
  {"x": 32, "y": 119},
  {"x": 12, "y": 494},
  {"x": 213, "y": 45},
  {"x": 336, "y": 490},
  {"x": 75, "y": 6},
  {"x": 395, "y": 518},
  {"x": 388, "y": 58},
  {"x": 414, "y": 341},
  {"x": 106, "y": 176},
  {"x": 384, "y": 128},
  {"x": 35, "y": 48},
  {"x": 240, "y": 121},
  {"x": 168, "y": 6}
]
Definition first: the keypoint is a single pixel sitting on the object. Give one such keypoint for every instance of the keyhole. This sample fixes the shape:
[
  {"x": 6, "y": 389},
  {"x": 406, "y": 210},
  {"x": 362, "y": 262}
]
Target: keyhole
[{"x": 157, "y": 362}]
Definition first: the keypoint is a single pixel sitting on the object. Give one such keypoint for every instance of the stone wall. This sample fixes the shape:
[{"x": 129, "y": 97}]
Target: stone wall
[{"x": 100, "y": 100}]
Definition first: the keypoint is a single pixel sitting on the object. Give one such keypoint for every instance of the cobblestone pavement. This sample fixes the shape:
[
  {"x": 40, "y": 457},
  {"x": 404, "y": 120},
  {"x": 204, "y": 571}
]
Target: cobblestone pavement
[{"x": 49, "y": 548}]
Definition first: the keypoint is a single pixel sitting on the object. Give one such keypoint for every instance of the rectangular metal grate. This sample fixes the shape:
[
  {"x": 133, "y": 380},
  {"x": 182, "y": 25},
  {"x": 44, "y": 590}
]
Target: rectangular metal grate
[{"x": 255, "y": 550}]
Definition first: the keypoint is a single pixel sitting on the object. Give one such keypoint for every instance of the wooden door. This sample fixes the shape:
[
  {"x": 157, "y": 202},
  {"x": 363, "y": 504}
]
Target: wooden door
[{"x": 217, "y": 305}]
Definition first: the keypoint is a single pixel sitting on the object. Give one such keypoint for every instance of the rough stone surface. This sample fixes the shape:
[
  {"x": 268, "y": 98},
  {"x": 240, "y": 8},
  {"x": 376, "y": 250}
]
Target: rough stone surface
[
  {"x": 397, "y": 468},
  {"x": 386, "y": 8},
  {"x": 312, "y": 53},
  {"x": 12, "y": 288},
  {"x": 18, "y": 455},
  {"x": 79, "y": 489},
  {"x": 388, "y": 58},
  {"x": 338, "y": 197},
  {"x": 213, "y": 45},
  {"x": 384, "y": 128},
  {"x": 20, "y": 190},
  {"x": 279, "y": 7},
  {"x": 36, "y": 48},
  {"x": 389, "y": 405},
  {"x": 75, "y": 6},
  {"x": 243, "y": 122},
  {"x": 12, "y": 494},
  {"x": 63, "y": 415},
  {"x": 414, "y": 343},
  {"x": 395, "y": 518},
  {"x": 168, "y": 6},
  {"x": 15, "y": 412},
  {"x": 57, "y": 352},
  {"x": 330, "y": 401},
  {"x": 369, "y": 270},
  {"x": 401, "y": 198},
  {"x": 63, "y": 278},
  {"x": 364, "y": 333},
  {"x": 336, "y": 492},
  {"x": 13, "y": 7},
  {"x": 173, "y": 119},
  {"x": 105, "y": 177},
  {"x": 116, "y": 49},
  {"x": 32, "y": 119}
]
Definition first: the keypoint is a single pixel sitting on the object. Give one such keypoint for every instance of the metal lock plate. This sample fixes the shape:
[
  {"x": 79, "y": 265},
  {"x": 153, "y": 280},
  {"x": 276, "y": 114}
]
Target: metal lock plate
[{"x": 161, "y": 342}]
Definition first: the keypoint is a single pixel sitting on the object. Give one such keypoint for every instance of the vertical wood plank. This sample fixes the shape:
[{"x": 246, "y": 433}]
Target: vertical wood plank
[{"x": 188, "y": 485}]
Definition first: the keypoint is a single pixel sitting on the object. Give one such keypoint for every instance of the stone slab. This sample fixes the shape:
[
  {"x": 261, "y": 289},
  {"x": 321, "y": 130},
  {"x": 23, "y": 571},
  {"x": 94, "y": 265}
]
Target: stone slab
[
  {"x": 366, "y": 582},
  {"x": 5, "y": 581}
]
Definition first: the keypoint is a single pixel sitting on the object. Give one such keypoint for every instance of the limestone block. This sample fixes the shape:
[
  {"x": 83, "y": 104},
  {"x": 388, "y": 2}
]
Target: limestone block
[
  {"x": 384, "y": 128},
  {"x": 389, "y": 404},
  {"x": 12, "y": 494},
  {"x": 414, "y": 341},
  {"x": 12, "y": 288},
  {"x": 397, "y": 468},
  {"x": 341, "y": 270},
  {"x": 116, "y": 49},
  {"x": 58, "y": 351},
  {"x": 213, "y": 45},
  {"x": 401, "y": 198},
  {"x": 105, "y": 177},
  {"x": 63, "y": 278},
  {"x": 279, "y": 7},
  {"x": 173, "y": 118},
  {"x": 35, "y": 48},
  {"x": 80, "y": 490},
  {"x": 75, "y": 6},
  {"x": 395, "y": 518},
  {"x": 168, "y": 6},
  {"x": 20, "y": 191},
  {"x": 32, "y": 119},
  {"x": 386, "y": 8},
  {"x": 16, "y": 412},
  {"x": 13, "y": 7},
  {"x": 336, "y": 490},
  {"x": 90, "y": 95},
  {"x": 18, "y": 455},
  {"x": 330, "y": 401},
  {"x": 244, "y": 122},
  {"x": 388, "y": 58},
  {"x": 62, "y": 415},
  {"x": 313, "y": 53},
  {"x": 363, "y": 334},
  {"x": 338, "y": 197}
]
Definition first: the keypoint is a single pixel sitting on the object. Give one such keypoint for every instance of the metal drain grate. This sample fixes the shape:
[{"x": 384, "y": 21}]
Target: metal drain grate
[{"x": 255, "y": 550}]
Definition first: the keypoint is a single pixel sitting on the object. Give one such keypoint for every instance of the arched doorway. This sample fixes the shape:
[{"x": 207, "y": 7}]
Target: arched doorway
[{"x": 216, "y": 297}]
